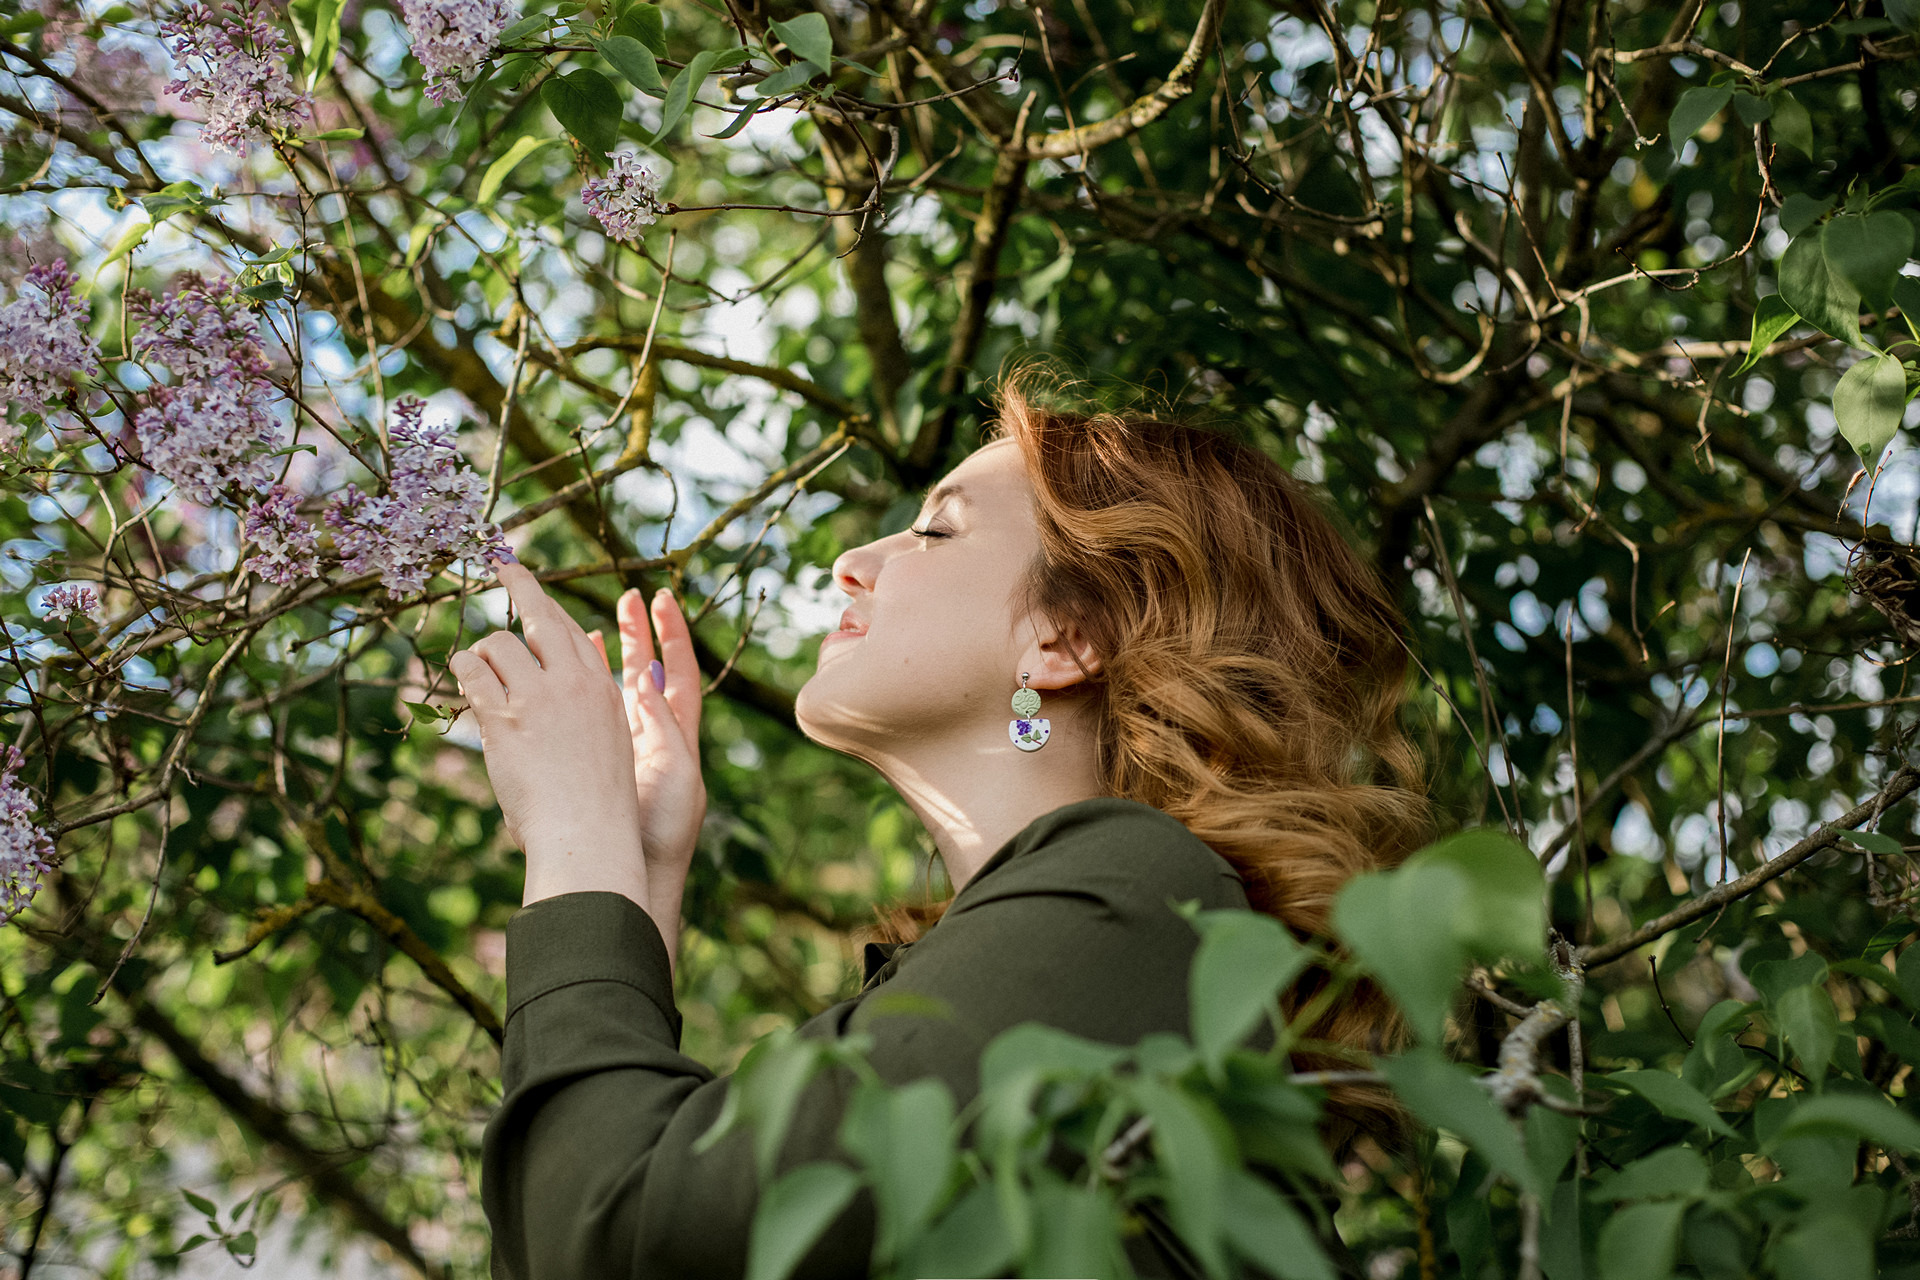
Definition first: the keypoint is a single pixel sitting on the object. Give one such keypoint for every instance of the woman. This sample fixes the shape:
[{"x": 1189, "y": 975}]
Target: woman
[{"x": 1219, "y": 680}]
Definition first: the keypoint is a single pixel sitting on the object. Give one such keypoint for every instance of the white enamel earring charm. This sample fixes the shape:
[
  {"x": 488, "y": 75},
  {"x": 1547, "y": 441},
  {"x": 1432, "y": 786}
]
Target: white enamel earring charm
[{"x": 1028, "y": 733}]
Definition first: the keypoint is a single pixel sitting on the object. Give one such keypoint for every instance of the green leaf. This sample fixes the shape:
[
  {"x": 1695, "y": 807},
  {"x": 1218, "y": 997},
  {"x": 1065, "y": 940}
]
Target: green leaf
[
  {"x": 1671, "y": 1096},
  {"x": 1876, "y": 842},
  {"x": 526, "y": 26},
  {"x": 1267, "y": 1231},
  {"x": 632, "y": 59},
  {"x": 242, "y": 1243},
  {"x": 1751, "y": 108},
  {"x": 1399, "y": 925},
  {"x": 1077, "y": 1232},
  {"x": 1042, "y": 282},
  {"x": 1550, "y": 1141},
  {"x": 1195, "y": 1156},
  {"x": 21, "y": 23},
  {"x": 740, "y": 119},
  {"x": 970, "y": 1239},
  {"x": 1792, "y": 126},
  {"x": 1446, "y": 1096},
  {"x": 1904, "y": 14},
  {"x": 587, "y": 106},
  {"x": 497, "y": 171},
  {"x": 645, "y": 23},
  {"x": 808, "y": 37},
  {"x": 791, "y": 1215},
  {"x": 1506, "y": 915},
  {"x": 681, "y": 92},
  {"x": 1886, "y": 938},
  {"x": 336, "y": 135},
  {"x": 126, "y": 244},
  {"x": 786, "y": 79},
  {"x": 1799, "y": 211},
  {"x": 1889, "y": 1028},
  {"x": 322, "y": 36},
  {"x": 1814, "y": 290},
  {"x": 1675, "y": 1171},
  {"x": 732, "y": 57},
  {"x": 904, "y": 1137},
  {"x": 201, "y": 1203},
  {"x": 1244, "y": 960},
  {"x": 1771, "y": 318},
  {"x": 1907, "y": 970},
  {"x": 1826, "y": 1246},
  {"x": 1716, "y": 1061},
  {"x": 1852, "y": 1115},
  {"x": 1868, "y": 252},
  {"x": 1691, "y": 113},
  {"x": 1869, "y": 403},
  {"x": 1639, "y": 1242}
]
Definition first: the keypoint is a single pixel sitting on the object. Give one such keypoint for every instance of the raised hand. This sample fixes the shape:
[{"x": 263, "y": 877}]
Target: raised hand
[
  {"x": 664, "y": 725},
  {"x": 557, "y": 748}
]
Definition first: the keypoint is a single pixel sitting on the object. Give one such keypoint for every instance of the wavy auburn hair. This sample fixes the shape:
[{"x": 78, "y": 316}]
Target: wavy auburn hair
[{"x": 1253, "y": 672}]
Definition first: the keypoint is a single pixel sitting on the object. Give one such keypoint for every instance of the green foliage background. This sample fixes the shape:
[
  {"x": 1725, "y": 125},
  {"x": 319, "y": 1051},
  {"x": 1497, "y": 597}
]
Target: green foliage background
[{"x": 1488, "y": 273}]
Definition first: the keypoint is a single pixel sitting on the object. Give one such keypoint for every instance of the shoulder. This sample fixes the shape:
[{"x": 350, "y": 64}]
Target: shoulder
[{"x": 1116, "y": 847}]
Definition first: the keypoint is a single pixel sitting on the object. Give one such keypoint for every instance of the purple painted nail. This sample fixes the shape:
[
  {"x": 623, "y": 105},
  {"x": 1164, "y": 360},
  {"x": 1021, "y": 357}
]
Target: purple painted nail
[{"x": 659, "y": 674}]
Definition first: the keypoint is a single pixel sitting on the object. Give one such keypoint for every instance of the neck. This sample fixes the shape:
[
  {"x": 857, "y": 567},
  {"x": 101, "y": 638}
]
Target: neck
[{"x": 977, "y": 795}]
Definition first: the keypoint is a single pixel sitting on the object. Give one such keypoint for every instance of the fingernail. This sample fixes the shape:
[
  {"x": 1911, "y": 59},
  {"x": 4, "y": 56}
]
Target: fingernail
[{"x": 659, "y": 675}]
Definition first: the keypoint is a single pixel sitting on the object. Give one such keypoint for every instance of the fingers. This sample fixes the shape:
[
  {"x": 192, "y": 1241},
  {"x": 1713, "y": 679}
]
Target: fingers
[
  {"x": 551, "y": 632},
  {"x": 482, "y": 687},
  {"x": 636, "y": 648},
  {"x": 683, "y": 667}
]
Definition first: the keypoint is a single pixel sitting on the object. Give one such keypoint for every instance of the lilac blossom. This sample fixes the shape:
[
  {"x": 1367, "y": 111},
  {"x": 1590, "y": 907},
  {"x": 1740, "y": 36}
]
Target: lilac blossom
[
  {"x": 68, "y": 599},
  {"x": 26, "y": 851},
  {"x": 627, "y": 199},
  {"x": 237, "y": 62},
  {"x": 453, "y": 37},
  {"x": 432, "y": 509},
  {"x": 43, "y": 342},
  {"x": 289, "y": 547},
  {"x": 214, "y": 426}
]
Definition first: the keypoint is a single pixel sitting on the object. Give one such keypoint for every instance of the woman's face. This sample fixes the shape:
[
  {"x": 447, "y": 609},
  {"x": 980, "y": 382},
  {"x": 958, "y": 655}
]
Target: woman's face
[{"x": 934, "y": 652}]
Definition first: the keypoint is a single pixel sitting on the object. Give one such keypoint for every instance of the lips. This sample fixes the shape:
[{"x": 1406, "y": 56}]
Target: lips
[{"x": 851, "y": 623}]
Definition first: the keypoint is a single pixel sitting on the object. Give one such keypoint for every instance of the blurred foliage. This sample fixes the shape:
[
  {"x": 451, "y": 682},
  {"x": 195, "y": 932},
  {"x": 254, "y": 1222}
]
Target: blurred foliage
[{"x": 1490, "y": 274}]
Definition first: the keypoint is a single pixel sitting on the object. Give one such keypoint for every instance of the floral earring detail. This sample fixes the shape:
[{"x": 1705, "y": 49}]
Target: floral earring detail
[{"x": 1028, "y": 733}]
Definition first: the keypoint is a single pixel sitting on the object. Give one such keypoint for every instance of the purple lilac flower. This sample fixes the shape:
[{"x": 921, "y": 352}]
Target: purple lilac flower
[
  {"x": 627, "y": 199},
  {"x": 43, "y": 342},
  {"x": 68, "y": 599},
  {"x": 26, "y": 852},
  {"x": 453, "y": 37},
  {"x": 214, "y": 426},
  {"x": 432, "y": 509},
  {"x": 241, "y": 71},
  {"x": 289, "y": 547}
]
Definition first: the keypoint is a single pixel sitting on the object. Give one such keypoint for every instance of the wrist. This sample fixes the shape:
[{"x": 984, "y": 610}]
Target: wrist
[{"x": 559, "y": 867}]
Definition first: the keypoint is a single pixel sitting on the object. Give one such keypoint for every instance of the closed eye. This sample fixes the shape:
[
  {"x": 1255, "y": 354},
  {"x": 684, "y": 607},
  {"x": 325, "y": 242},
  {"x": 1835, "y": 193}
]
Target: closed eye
[{"x": 929, "y": 532}]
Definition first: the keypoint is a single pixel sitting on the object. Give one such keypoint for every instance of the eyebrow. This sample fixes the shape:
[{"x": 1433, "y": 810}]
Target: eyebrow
[{"x": 957, "y": 492}]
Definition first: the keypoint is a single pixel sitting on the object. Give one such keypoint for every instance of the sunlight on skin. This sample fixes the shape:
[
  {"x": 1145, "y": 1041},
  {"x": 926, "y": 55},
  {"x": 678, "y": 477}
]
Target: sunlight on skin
[{"x": 924, "y": 695}]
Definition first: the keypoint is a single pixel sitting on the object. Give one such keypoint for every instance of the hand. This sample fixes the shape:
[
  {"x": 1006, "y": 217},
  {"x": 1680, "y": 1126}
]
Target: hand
[
  {"x": 557, "y": 748},
  {"x": 665, "y": 729}
]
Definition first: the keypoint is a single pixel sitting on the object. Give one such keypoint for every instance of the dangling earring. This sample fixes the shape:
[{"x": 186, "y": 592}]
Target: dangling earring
[{"x": 1028, "y": 733}]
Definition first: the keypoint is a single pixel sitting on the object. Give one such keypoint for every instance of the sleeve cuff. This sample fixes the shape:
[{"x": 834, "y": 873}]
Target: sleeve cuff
[{"x": 588, "y": 937}]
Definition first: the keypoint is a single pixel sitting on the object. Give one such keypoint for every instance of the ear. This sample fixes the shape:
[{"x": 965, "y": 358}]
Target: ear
[{"x": 1055, "y": 661}]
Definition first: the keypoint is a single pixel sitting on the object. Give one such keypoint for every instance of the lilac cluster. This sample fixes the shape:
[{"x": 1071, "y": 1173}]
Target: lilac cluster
[
  {"x": 241, "y": 72},
  {"x": 26, "y": 852},
  {"x": 627, "y": 199},
  {"x": 213, "y": 426},
  {"x": 43, "y": 342},
  {"x": 288, "y": 547},
  {"x": 432, "y": 509},
  {"x": 68, "y": 599},
  {"x": 453, "y": 37}
]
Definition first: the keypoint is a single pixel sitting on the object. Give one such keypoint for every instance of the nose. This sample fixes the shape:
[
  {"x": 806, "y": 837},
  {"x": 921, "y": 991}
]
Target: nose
[{"x": 855, "y": 569}]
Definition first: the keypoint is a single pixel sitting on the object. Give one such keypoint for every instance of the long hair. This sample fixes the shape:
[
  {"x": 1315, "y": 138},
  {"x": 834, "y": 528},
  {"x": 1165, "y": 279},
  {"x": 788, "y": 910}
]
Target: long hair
[{"x": 1252, "y": 681}]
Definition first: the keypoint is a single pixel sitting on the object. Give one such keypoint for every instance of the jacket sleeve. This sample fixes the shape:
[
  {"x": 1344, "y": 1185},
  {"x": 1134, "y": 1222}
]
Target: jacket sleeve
[{"x": 588, "y": 1168}]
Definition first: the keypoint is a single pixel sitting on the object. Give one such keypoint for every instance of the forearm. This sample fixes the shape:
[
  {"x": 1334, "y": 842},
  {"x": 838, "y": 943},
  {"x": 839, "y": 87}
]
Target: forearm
[
  {"x": 564, "y": 862},
  {"x": 666, "y": 890}
]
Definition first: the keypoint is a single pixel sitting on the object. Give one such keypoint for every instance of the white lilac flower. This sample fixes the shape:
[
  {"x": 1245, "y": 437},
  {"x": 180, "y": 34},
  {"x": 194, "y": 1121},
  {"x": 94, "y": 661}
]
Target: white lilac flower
[
  {"x": 453, "y": 37},
  {"x": 432, "y": 510},
  {"x": 68, "y": 599},
  {"x": 43, "y": 342},
  {"x": 627, "y": 199},
  {"x": 26, "y": 852},
  {"x": 237, "y": 62},
  {"x": 289, "y": 547},
  {"x": 214, "y": 425}
]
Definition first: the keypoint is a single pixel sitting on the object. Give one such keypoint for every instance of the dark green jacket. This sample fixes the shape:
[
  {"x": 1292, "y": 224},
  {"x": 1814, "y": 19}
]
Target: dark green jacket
[{"x": 588, "y": 1170}]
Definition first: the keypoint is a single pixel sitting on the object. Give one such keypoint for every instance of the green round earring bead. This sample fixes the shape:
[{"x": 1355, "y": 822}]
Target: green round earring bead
[{"x": 1026, "y": 702}]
